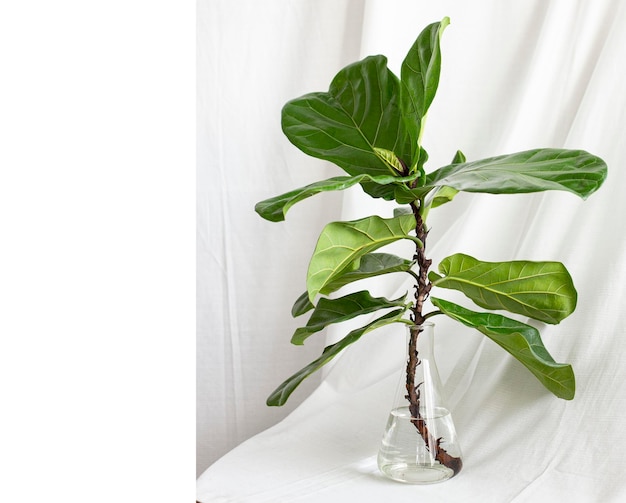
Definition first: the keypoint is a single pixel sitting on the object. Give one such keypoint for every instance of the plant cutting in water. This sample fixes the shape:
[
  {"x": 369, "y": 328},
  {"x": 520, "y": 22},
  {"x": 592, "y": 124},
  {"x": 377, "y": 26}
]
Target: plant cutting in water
[{"x": 370, "y": 124}]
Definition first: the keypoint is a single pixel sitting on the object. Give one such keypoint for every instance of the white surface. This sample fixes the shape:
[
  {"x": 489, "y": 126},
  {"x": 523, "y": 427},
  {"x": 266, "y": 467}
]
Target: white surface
[{"x": 514, "y": 76}]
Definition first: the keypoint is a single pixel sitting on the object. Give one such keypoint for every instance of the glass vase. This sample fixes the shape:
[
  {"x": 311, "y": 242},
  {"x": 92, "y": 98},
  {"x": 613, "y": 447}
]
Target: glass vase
[{"x": 420, "y": 445}]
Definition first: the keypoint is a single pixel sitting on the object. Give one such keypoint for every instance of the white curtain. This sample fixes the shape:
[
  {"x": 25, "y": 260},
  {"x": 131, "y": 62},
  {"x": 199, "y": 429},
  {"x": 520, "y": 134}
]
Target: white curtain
[
  {"x": 515, "y": 75},
  {"x": 252, "y": 57}
]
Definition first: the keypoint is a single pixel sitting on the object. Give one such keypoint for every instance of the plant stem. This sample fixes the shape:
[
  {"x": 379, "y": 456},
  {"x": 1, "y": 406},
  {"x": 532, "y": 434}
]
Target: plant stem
[
  {"x": 422, "y": 286},
  {"x": 422, "y": 290}
]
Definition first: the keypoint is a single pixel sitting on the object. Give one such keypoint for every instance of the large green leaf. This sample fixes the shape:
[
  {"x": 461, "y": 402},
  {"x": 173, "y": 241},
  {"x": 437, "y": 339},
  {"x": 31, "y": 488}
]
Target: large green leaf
[
  {"x": 522, "y": 341},
  {"x": 420, "y": 78},
  {"x": 342, "y": 244},
  {"x": 370, "y": 265},
  {"x": 540, "y": 290},
  {"x": 536, "y": 170},
  {"x": 280, "y": 395},
  {"x": 274, "y": 209},
  {"x": 329, "y": 311},
  {"x": 360, "y": 111}
]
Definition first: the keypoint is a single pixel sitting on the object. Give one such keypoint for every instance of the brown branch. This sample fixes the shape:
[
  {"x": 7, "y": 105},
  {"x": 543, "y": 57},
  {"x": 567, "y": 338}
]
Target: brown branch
[
  {"x": 422, "y": 290},
  {"x": 423, "y": 286},
  {"x": 413, "y": 396}
]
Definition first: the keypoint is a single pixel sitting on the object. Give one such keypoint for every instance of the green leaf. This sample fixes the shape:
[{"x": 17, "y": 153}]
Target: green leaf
[
  {"x": 280, "y": 395},
  {"x": 360, "y": 111},
  {"x": 390, "y": 159},
  {"x": 402, "y": 210},
  {"x": 301, "y": 305},
  {"x": 540, "y": 290},
  {"x": 342, "y": 244},
  {"x": 420, "y": 78},
  {"x": 386, "y": 192},
  {"x": 402, "y": 192},
  {"x": 370, "y": 265},
  {"x": 405, "y": 195},
  {"x": 275, "y": 208},
  {"x": 536, "y": 170},
  {"x": 443, "y": 195},
  {"x": 459, "y": 157},
  {"x": 329, "y": 311},
  {"x": 520, "y": 340}
]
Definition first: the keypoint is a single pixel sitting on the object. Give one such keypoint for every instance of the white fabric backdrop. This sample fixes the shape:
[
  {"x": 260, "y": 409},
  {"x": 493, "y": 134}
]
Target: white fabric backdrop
[
  {"x": 252, "y": 57},
  {"x": 515, "y": 76}
]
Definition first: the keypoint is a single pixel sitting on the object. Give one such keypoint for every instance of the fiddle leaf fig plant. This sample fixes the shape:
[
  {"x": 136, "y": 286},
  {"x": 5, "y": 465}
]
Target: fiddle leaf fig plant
[{"x": 370, "y": 124}]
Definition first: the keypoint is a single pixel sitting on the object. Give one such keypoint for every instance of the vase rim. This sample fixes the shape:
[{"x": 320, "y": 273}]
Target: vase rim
[{"x": 425, "y": 324}]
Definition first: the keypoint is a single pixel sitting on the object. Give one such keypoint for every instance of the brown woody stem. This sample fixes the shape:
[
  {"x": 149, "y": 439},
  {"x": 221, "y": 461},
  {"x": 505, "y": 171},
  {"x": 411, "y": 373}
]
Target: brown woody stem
[{"x": 422, "y": 290}]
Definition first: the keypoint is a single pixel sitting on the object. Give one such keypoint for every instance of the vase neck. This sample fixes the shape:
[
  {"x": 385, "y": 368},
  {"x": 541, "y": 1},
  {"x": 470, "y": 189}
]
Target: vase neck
[
  {"x": 424, "y": 339},
  {"x": 423, "y": 380}
]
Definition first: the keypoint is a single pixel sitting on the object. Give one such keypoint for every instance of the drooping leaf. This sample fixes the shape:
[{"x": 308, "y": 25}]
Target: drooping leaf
[
  {"x": 420, "y": 78},
  {"x": 540, "y": 290},
  {"x": 520, "y": 340},
  {"x": 536, "y": 170},
  {"x": 342, "y": 244},
  {"x": 370, "y": 265},
  {"x": 275, "y": 208},
  {"x": 280, "y": 395},
  {"x": 329, "y": 311},
  {"x": 360, "y": 111}
]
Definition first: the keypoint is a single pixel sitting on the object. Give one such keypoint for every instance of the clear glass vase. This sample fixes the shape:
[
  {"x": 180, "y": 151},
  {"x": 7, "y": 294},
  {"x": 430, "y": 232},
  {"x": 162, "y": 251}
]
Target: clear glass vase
[{"x": 420, "y": 445}]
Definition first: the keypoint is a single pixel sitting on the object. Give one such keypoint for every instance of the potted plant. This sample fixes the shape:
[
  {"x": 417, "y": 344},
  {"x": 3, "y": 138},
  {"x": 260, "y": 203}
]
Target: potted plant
[{"x": 370, "y": 124}]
